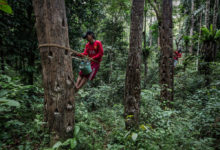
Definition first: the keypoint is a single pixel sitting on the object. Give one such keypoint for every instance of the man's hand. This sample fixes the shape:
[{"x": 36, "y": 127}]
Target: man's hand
[{"x": 91, "y": 59}]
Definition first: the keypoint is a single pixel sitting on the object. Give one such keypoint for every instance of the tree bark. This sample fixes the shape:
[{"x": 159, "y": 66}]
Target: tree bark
[
  {"x": 166, "y": 50},
  {"x": 198, "y": 49},
  {"x": 207, "y": 13},
  {"x": 215, "y": 15},
  {"x": 144, "y": 49},
  {"x": 150, "y": 33},
  {"x": 192, "y": 27},
  {"x": 2, "y": 57},
  {"x": 51, "y": 25},
  {"x": 31, "y": 55},
  {"x": 132, "y": 82},
  {"x": 31, "y": 59}
]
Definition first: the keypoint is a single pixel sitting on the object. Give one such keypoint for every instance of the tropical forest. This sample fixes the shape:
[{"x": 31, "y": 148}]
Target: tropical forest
[{"x": 109, "y": 75}]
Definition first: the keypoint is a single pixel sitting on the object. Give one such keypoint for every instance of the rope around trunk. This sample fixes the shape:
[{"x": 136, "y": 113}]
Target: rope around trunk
[{"x": 66, "y": 48}]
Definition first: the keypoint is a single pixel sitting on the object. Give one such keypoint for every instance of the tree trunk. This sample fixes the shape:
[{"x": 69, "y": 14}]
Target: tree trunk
[
  {"x": 144, "y": 49},
  {"x": 215, "y": 15},
  {"x": 198, "y": 49},
  {"x": 2, "y": 57},
  {"x": 166, "y": 50},
  {"x": 192, "y": 27},
  {"x": 207, "y": 56},
  {"x": 207, "y": 13},
  {"x": 31, "y": 65},
  {"x": 51, "y": 25},
  {"x": 132, "y": 82},
  {"x": 31, "y": 55},
  {"x": 150, "y": 33}
]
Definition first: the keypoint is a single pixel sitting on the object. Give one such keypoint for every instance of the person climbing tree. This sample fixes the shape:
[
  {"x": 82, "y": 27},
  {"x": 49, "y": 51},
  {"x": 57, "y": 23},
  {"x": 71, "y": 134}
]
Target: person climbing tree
[
  {"x": 177, "y": 55},
  {"x": 95, "y": 52}
]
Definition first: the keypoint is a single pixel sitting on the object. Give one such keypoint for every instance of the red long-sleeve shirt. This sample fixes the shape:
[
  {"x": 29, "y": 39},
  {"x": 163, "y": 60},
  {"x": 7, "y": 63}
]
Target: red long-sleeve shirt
[
  {"x": 177, "y": 55},
  {"x": 94, "y": 51}
]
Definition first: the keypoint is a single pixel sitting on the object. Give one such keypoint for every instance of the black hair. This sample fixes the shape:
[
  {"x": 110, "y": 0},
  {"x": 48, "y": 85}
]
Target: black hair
[{"x": 89, "y": 33}]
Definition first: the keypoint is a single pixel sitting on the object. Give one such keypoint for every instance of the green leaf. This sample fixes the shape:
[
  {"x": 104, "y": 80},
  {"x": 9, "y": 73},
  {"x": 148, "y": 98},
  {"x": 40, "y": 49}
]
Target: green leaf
[
  {"x": 211, "y": 28},
  {"x": 134, "y": 136},
  {"x": 129, "y": 116},
  {"x": 5, "y": 7},
  {"x": 3, "y": 93},
  {"x": 76, "y": 130},
  {"x": 73, "y": 143},
  {"x": 9, "y": 102},
  {"x": 143, "y": 127},
  {"x": 67, "y": 142},
  {"x": 217, "y": 35},
  {"x": 205, "y": 31},
  {"x": 127, "y": 134},
  {"x": 57, "y": 145}
]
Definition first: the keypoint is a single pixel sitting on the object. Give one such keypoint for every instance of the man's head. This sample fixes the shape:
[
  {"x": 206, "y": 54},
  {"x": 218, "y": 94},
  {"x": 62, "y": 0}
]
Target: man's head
[
  {"x": 89, "y": 36},
  {"x": 179, "y": 50}
]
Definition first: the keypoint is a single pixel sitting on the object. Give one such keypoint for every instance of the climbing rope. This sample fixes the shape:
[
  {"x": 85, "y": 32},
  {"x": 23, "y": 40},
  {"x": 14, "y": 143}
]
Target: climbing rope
[{"x": 66, "y": 48}]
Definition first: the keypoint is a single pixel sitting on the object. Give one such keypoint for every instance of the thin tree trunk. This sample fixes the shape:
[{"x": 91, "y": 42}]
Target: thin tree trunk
[
  {"x": 144, "y": 49},
  {"x": 207, "y": 13},
  {"x": 31, "y": 64},
  {"x": 192, "y": 27},
  {"x": 158, "y": 38},
  {"x": 150, "y": 33},
  {"x": 111, "y": 67},
  {"x": 198, "y": 49},
  {"x": 166, "y": 59},
  {"x": 133, "y": 72},
  {"x": 2, "y": 57},
  {"x": 2, "y": 61},
  {"x": 31, "y": 55},
  {"x": 215, "y": 15},
  {"x": 51, "y": 25}
]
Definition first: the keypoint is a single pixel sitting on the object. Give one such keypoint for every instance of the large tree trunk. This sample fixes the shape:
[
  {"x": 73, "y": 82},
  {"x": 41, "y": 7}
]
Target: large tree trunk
[
  {"x": 215, "y": 15},
  {"x": 132, "y": 83},
  {"x": 192, "y": 27},
  {"x": 166, "y": 50},
  {"x": 51, "y": 25},
  {"x": 207, "y": 13}
]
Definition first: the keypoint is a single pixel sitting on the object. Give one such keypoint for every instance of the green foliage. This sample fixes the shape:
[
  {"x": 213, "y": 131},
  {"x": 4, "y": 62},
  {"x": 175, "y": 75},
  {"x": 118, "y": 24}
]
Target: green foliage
[
  {"x": 67, "y": 144},
  {"x": 210, "y": 34},
  {"x": 19, "y": 108},
  {"x": 5, "y": 7}
]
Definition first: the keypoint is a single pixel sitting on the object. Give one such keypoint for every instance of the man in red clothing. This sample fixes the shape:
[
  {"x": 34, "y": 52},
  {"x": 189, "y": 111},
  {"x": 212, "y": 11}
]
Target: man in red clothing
[
  {"x": 94, "y": 51},
  {"x": 177, "y": 55}
]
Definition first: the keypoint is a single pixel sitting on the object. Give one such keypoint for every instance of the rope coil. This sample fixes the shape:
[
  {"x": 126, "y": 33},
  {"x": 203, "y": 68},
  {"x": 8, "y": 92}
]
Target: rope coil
[{"x": 66, "y": 48}]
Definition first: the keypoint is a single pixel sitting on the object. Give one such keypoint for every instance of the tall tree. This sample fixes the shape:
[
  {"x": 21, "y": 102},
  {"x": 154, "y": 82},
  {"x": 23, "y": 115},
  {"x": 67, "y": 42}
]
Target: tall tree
[
  {"x": 215, "y": 15},
  {"x": 198, "y": 49},
  {"x": 166, "y": 50},
  {"x": 207, "y": 13},
  {"x": 51, "y": 25},
  {"x": 191, "y": 27},
  {"x": 145, "y": 49},
  {"x": 132, "y": 82},
  {"x": 163, "y": 12}
]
